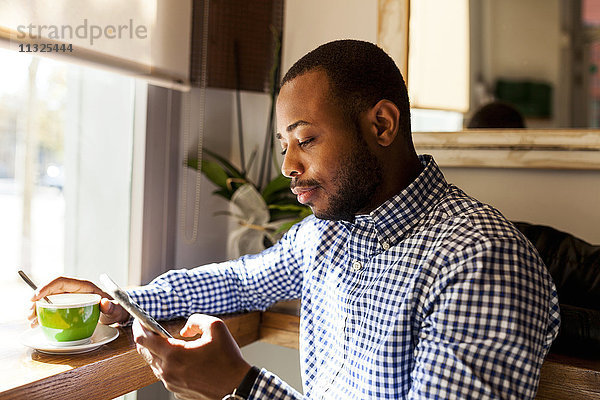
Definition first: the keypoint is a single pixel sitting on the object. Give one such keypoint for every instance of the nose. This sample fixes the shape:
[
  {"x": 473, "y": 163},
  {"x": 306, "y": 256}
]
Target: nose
[{"x": 292, "y": 165}]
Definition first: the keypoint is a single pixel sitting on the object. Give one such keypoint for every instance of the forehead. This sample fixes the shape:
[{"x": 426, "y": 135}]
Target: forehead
[
  {"x": 311, "y": 84},
  {"x": 305, "y": 98}
]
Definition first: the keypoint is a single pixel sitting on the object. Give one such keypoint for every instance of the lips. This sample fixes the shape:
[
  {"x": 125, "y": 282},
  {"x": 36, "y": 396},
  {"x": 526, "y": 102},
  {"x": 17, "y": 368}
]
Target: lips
[{"x": 304, "y": 193}]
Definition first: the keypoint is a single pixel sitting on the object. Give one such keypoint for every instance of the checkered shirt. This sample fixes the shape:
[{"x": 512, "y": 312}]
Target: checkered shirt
[{"x": 433, "y": 295}]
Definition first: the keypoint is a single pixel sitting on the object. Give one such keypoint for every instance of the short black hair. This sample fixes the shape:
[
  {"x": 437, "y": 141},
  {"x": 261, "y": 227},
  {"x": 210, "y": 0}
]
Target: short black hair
[
  {"x": 360, "y": 74},
  {"x": 496, "y": 115}
]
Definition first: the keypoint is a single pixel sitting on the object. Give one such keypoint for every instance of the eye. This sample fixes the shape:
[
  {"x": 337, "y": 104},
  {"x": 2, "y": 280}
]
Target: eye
[
  {"x": 301, "y": 144},
  {"x": 305, "y": 142}
]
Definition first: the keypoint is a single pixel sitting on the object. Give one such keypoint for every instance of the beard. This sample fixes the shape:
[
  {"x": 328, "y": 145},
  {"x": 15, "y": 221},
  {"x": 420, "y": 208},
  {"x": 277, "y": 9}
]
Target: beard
[{"x": 358, "y": 176}]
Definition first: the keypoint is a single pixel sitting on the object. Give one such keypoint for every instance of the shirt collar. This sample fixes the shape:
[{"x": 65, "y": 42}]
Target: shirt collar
[{"x": 398, "y": 215}]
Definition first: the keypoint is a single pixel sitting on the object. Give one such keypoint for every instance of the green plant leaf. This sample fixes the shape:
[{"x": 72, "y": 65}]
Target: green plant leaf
[
  {"x": 233, "y": 172},
  {"x": 192, "y": 163},
  {"x": 276, "y": 186},
  {"x": 287, "y": 211},
  {"x": 215, "y": 173},
  {"x": 223, "y": 193},
  {"x": 287, "y": 207},
  {"x": 276, "y": 215}
]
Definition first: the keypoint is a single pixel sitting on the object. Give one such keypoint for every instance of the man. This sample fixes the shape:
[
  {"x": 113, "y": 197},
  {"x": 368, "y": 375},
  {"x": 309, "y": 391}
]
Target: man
[{"x": 410, "y": 288}]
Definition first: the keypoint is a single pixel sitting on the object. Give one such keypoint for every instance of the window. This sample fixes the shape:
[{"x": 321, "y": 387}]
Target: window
[
  {"x": 424, "y": 120},
  {"x": 66, "y": 146}
]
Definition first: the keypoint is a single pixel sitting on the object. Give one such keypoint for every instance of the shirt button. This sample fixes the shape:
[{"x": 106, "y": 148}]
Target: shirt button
[
  {"x": 356, "y": 266},
  {"x": 385, "y": 245}
]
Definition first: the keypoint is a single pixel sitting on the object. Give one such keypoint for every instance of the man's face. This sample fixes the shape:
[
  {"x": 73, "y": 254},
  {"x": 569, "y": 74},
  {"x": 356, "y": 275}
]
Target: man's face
[{"x": 332, "y": 169}]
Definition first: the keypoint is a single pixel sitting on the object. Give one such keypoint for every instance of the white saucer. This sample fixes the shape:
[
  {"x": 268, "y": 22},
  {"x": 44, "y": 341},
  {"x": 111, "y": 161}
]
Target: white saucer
[{"x": 35, "y": 339}]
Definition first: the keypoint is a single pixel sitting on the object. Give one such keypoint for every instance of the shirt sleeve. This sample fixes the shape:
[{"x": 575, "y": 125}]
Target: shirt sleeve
[
  {"x": 252, "y": 282},
  {"x": 489, "y": 326},
  {"x": 270, "y": 386}
]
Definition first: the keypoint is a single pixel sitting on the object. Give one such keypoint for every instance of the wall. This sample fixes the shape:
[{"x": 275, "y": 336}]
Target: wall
[
  {"x": 567, "y": 200},
  {"x": 218, "y": 133},
  {"x": 310, "y": 23}
]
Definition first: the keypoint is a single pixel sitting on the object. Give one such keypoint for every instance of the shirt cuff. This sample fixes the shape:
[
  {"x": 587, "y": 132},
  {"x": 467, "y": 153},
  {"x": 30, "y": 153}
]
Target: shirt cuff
[
  {"x": 152, "y": 300},
  {"x": 269, "y": 386}
]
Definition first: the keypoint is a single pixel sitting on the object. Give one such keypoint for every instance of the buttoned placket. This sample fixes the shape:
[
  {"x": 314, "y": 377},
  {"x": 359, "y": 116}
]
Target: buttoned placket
[{"x": 356, "y": 266}]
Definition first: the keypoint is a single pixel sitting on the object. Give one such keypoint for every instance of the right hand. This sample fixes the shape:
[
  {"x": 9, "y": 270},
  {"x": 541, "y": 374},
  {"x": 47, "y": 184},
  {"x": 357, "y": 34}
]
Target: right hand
[{"x": 111, "y": 311}]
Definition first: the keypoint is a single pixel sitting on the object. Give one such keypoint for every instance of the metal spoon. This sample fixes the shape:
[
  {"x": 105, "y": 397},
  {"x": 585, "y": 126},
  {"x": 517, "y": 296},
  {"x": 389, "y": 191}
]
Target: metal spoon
[{"x": 28, "y": 281}]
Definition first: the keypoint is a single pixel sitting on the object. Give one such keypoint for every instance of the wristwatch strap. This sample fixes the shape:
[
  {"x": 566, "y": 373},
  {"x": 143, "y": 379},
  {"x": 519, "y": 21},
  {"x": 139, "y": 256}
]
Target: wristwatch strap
[{"x": 243, "y": 390}]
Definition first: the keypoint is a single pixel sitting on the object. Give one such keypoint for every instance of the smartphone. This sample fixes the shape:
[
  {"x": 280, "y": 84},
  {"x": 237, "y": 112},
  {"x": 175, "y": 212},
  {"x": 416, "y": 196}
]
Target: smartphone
[{"x": 132, "y": 307}]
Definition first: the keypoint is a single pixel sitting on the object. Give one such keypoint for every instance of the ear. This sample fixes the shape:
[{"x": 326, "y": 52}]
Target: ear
[{"x": 385, "y": 117}]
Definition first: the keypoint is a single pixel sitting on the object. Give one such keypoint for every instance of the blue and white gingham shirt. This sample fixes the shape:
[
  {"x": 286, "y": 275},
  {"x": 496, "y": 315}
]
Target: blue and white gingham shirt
[{"x": 433, "y": 295}]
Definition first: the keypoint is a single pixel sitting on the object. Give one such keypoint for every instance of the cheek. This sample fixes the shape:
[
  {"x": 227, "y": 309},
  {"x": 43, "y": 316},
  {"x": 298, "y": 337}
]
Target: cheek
[
  {"x": 329, "y": 170},
  {"x": 326, "y": 161}
]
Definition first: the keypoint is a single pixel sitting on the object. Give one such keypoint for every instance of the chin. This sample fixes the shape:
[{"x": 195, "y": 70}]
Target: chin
[
  {"x": 333, "y": 211},
  {"x": 334, "y": 216}
]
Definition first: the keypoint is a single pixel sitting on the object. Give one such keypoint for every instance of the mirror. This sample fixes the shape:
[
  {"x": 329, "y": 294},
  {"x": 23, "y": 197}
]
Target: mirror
[{"x": 542, "y": 56}]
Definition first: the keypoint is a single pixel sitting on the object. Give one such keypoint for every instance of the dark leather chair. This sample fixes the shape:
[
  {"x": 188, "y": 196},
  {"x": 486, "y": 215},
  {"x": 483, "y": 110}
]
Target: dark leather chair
[{"x": 575, "y": 267}]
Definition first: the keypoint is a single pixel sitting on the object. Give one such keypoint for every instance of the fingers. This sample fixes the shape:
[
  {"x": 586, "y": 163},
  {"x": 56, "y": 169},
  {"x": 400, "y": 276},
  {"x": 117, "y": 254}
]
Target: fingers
[
  {"x": 140, "y": 339},
  {"x": 145, "y": 353},
  {"x": 150, "y": 360},
  {"x": 67, "y": 285},
  {"x": 147, "y": 347},
  {"x": 156, "y": 344},
  {"x": 112, "y": 312},
  {"x": 32, "y": 317},
  {"x": 208, "y": 366}
]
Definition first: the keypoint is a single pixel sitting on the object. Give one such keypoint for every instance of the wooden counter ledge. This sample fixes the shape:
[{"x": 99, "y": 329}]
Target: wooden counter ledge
[
  {"x": 110, "y": 371},
  {"x": 116, "y": 368}
]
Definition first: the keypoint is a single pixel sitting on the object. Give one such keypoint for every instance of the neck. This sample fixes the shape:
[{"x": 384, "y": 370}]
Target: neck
[{"x": 398, "y": 175}]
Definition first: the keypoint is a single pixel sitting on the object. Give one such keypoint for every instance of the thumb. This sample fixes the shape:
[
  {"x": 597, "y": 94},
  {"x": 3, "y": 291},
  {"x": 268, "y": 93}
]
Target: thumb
[
  {"x": 197, "y": 324},
  {"x": 106, "y": 306},
  {"x": 111, "y": 312}
]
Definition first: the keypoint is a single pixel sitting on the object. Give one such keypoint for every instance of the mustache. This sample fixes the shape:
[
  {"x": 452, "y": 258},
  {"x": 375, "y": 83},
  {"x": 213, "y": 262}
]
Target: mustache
[{"x": 304, "y": 183}]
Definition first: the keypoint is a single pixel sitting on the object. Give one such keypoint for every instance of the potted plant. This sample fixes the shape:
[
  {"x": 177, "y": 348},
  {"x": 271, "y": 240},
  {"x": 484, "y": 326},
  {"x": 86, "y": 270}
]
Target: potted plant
[{"x": 264, "y": 214}]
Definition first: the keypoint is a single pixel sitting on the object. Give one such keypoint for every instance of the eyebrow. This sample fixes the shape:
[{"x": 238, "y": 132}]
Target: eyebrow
[{"x": 293, "y": 126}]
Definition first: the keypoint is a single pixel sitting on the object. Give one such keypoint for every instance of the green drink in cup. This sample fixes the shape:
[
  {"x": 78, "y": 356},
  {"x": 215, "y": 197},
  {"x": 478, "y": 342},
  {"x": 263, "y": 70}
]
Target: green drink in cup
[{"x": 70, "y": 319}]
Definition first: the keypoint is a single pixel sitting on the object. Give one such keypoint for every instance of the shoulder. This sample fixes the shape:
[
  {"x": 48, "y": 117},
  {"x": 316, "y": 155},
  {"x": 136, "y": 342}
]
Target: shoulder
[{"x": 464, "y": 225}]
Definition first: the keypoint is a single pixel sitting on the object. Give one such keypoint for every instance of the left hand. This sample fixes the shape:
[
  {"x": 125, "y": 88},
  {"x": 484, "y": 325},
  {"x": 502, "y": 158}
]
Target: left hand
[{"x": 208, "y": 367}]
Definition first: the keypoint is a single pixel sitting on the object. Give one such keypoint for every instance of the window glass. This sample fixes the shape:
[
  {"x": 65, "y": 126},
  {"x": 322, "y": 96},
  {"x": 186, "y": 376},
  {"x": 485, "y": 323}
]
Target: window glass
[
  {"x": 424, "y": 120},
  {"x": 66, "y": 138}
]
